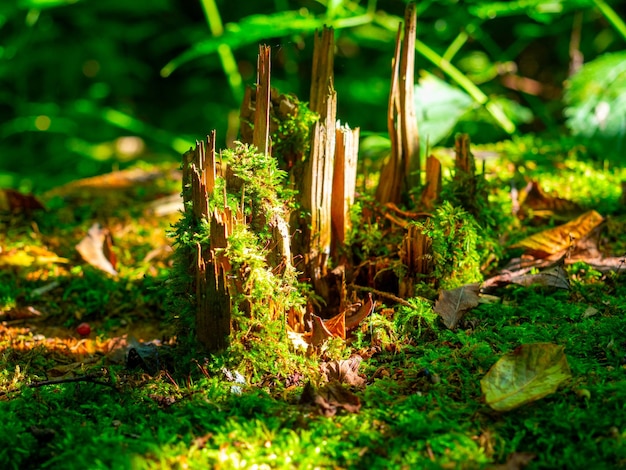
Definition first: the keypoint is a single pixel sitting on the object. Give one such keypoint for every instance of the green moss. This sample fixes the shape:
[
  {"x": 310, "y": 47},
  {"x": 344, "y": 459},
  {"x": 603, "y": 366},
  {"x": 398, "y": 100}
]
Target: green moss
[
  {"x": 454, "y": 234},
  {"x": 292, "y": 122},
  {"x": 262, "y": 287}
]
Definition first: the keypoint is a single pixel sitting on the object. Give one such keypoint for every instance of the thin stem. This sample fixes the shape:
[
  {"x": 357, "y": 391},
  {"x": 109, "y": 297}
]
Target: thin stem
[
  {"x": 455, "y": 46},
  {"x": 455, "y": 74},
  {"x": 229, "y": 64},
  {"x": 612, "y": 17}
]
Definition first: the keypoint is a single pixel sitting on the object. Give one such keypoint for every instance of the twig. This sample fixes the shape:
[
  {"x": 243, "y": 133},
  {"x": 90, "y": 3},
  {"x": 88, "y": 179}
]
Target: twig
[
  {"x": 83, "y": 378},
  {"x": 385, "y": 295}
]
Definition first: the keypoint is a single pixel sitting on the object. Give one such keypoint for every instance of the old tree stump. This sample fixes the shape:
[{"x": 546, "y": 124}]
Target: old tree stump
[{"x": 268, "y": 215}]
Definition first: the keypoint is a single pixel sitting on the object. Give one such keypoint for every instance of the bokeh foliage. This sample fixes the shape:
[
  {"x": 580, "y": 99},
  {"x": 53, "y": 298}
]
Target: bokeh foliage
[{"x": 87, "y": 86}]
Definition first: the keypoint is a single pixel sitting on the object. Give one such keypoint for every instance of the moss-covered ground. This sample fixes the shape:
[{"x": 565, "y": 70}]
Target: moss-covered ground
[{"x": 70, "y": 401}]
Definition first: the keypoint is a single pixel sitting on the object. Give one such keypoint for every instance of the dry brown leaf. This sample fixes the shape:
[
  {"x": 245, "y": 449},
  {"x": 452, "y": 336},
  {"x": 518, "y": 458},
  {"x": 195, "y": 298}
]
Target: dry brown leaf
[
  {"x": 14, "y": 201},
  {"x": 330, "y": 398},
  {"x": 544, "y": 205},
  {"x": 28, "y": 257},
  {"x": 452, "y": 304},
  {"x": 344, "y": 371},
  {"x": 515, "y": 461},
  {"x": 319, "y": 332},
  {"x": 70, "y": 370},
  {"x": 554, "y": 277},
  {"x": 20, "y": 313},
  {"x": 352, "y": 321},
  {"x": 93, "y": 247},
  {"x": 112, "y": 182},
  {"x": 559, "y": 239},
  {"x": 337, "y": 325}
]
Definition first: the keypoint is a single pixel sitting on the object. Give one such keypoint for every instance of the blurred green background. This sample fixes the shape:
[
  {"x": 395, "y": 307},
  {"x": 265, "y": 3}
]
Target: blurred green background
[{"x": 88, "y": 86}]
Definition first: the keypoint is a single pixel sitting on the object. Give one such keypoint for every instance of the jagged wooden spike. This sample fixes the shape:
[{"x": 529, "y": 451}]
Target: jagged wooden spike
[
  {"x": 261, "y": 136},
  {"x": 390, "y": 184},
  {"x": 344, "y": 183},
  {"x": 431, "y": 192},
  {"x": 316, "y": 191},
  {"x": 408, "y": 118},
  {"x": 401, "y": 171}
]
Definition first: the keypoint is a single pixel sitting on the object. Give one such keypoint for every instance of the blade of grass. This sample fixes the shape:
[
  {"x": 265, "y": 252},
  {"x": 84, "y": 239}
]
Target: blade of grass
[
  {"x": 455, "y": 74},
  {"x": 225, "y": 53},
  {"x": 455, "y": 46},
  {"x": 612, "y": 17}
]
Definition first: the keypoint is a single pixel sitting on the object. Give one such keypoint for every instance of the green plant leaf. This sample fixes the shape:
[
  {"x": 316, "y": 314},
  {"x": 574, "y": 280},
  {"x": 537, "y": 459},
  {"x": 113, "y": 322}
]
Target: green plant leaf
[
  {"x": 438, "y": 107},
  {"x": 252, "y": 29},
  {"x": 596, "y": 103},
  {"x": 529, "y": 373},
  {"x": 540, "y": 10},
  {"x": 43, "y": 4}
]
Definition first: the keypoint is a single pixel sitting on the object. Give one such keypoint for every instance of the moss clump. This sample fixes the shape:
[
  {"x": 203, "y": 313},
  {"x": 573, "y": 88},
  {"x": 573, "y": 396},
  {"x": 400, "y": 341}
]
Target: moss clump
[
  {"x": 454, "y": 234},
  {"x": 291, "y": 122},
  {"x": 261, "y": 282}
]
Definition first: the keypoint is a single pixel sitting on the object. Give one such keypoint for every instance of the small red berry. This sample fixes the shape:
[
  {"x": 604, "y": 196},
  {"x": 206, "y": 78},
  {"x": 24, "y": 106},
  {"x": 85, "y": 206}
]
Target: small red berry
[{"x": 83, "y": 329}]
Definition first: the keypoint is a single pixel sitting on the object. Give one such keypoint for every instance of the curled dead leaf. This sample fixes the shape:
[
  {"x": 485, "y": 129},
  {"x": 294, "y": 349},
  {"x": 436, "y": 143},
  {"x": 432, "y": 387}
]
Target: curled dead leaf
[
  {"x": 452, "y": 304},
  {"x": 330, "y": 399},
  {"x": 14, "y": 201},
  {"x": 94, "y": 248},
  {"x": 344, "y": 371},
  {"x": 20, "y": 313}
]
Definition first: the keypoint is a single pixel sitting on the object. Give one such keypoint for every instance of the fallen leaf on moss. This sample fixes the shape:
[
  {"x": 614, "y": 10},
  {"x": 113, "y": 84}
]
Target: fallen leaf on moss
[
  {"x": 330, "y": 398},
  {"x": 527, "y": 374},
  {"x": 452, "y": 304},
  {"x": 558, "y": 239},
  {"x": 92, "y": 248},
  {"x": 20, "y": 313},
  {"x": 29, "y": 257},
  {"x": 589, "y": 312},
  {"x": 344, "y": 371},
  {"x": 340, "y": 324},
  {"x": 515, "y": 461},
  {"x": 352, "y": 321},
  {"x": 545, "y": 206},
  {"x": 14, "y": 201},
  {"x": 319, "y": 333},
  {"x": 336, "y": 325},
  {"x": 554, "y": 277}
]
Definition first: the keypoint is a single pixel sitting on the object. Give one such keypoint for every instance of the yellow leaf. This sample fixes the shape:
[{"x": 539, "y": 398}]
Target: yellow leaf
[
  {"x": 557, "y": 239},
  {"x": 527, "y": 374}
]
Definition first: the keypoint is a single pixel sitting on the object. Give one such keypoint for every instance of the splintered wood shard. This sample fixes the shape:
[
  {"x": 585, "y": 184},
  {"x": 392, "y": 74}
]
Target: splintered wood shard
[
  {"x": 344, "y": 183},
  {"x": 322, "y": 75},
  {"x": 210, "y": 163},
  {"x": 390, "y": 185},
  {"x": 431, "y": 192},
  {"x": 261, "y": 135},
  {"x": 464, "y": 160},
  {"x": 470, "y": 194},
  {"x": 417, "y": 255},
  {"x": 213, "y": 305},
  {"x": 401, "y": 172},
  {"x": 318, "y": 179},
  {"x": 408, "y": 117}
]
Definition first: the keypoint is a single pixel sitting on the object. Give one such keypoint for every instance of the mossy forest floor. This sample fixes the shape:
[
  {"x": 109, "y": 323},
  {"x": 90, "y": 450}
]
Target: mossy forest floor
[{"x": 77, "y": 401}]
